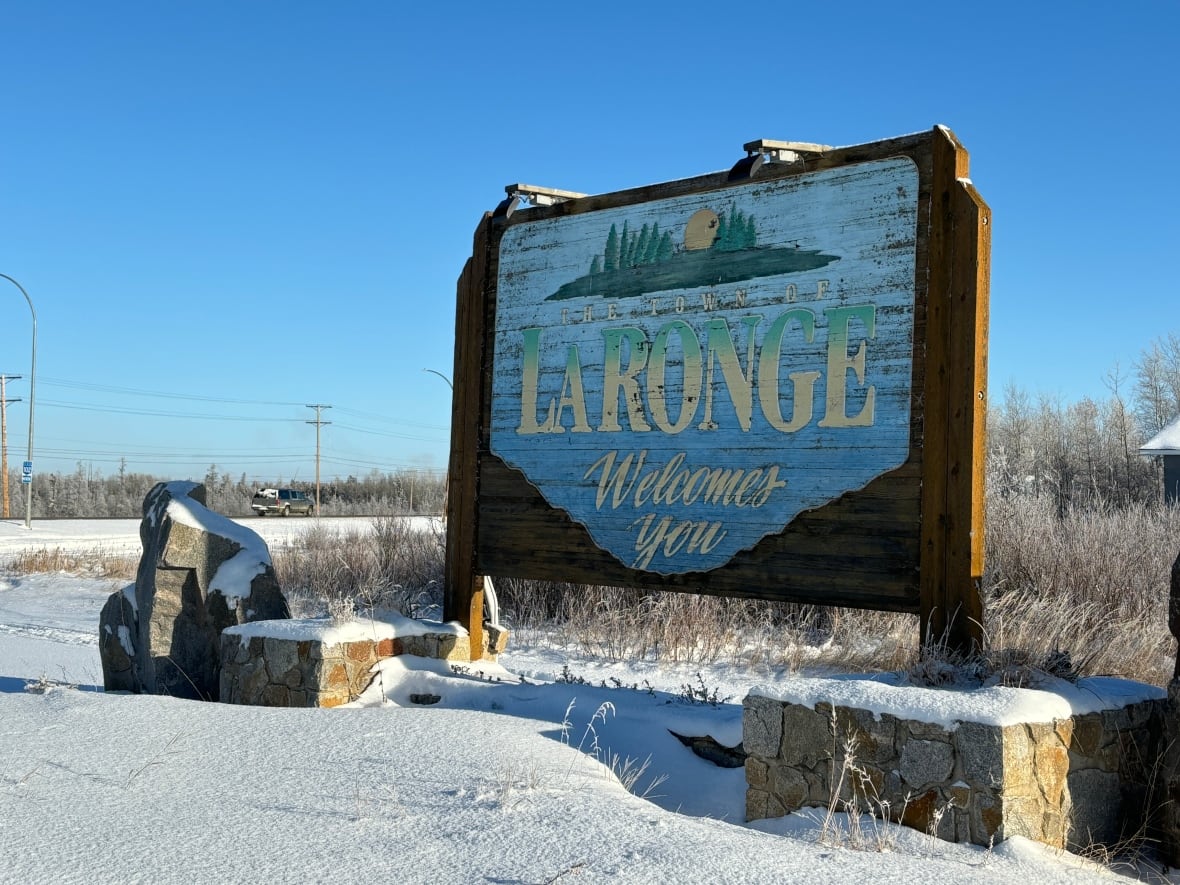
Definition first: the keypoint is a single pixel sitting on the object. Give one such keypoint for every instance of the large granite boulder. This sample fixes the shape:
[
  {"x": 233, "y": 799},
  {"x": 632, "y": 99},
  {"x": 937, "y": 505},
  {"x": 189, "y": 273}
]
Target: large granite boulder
[{"x": 200, "y": 573}]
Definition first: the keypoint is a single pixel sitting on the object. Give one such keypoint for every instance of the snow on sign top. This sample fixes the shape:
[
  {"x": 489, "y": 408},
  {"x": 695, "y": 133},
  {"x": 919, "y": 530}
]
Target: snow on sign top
[{"x": 1166, "y": 442}]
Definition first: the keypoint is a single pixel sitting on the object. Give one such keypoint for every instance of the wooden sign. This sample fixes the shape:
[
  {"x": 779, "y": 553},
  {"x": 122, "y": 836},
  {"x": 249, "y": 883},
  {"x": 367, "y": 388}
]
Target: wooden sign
[{"x": 725, "y": 385}]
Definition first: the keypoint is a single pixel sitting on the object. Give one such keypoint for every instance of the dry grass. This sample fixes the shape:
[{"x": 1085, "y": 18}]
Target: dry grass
[
  {"x": 395, "y": 565},
  {"x": 1081, "y": 593},
  {"x": 618, "y": 624},
  {"x": 857, "y": 816},
  {"x": 1092, "y": 585},
  {"x": 94, "y": 563}
]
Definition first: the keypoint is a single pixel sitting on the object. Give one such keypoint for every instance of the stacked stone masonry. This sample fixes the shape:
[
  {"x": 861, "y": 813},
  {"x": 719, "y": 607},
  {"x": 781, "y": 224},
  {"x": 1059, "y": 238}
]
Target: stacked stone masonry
[
  {"x": 1169, "y": 799},
  {"x": 1069, "y": 783},
  {"x": 283, "y": 672},
  {"x": 272, "y": 672}
]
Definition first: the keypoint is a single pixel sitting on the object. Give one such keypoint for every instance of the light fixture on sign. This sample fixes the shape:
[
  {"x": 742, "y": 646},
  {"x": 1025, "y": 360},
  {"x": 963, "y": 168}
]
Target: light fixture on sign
[
  {"x": 536, "y": 196},
  {"x": 766, "y": 151}
]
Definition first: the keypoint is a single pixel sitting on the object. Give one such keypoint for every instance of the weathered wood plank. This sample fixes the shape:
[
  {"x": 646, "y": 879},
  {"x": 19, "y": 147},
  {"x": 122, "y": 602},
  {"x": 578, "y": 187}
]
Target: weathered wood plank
[
  {"x": 822, "y": 557},
  {"x": 896, "y": 543},
  {"x": 971, "y": 281},
  {"x": 684, "y": 377},
  {"x": 462, "y": 585},
  {"x": 952, "y": 491},
  {"x": 915, "y": 146}
]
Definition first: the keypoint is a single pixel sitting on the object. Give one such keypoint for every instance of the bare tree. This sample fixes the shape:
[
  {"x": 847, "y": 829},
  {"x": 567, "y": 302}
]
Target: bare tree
[
  {"x": 1157, "y": 384},
  {"x": 1010, "y": 441},
  {"x": 1086, "y": 433}
]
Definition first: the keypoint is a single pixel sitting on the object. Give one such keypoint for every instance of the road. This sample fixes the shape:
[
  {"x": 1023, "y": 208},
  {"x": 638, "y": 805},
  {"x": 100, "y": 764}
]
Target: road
[{"x": 122, "y": 535}]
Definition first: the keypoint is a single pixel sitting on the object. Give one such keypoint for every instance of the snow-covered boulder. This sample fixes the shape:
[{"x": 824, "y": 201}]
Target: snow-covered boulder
[{"x": 200, "y": 573}]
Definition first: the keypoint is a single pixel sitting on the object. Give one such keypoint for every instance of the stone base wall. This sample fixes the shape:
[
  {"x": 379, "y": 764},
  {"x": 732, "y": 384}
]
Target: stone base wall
[
  {"x": 1069, "y": 783},
  {"x": 277, "y": 672},
  {"x": 1169, "y": 798},
  {"x": 282, "y": 671}
]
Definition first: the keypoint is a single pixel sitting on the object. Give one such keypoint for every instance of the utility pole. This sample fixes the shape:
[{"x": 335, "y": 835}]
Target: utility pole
[
  {"x": 318, "y": 422},
  {"x": 4, "y": 401}
]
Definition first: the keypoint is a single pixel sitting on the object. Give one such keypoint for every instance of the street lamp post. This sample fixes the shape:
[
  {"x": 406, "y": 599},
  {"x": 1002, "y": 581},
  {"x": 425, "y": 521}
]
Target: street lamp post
[
  {"x": 32, "y": 389},
  {"x": 441, "y": 375},
  {"x": 447, "y": 475}
]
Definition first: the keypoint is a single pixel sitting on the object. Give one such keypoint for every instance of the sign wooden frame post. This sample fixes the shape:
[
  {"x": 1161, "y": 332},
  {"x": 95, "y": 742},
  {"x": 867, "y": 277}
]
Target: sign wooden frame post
[
  {"x": 953, "y": 497},
  {"x": 462, "y": 586},
  {"x": 896, "y": 333}
]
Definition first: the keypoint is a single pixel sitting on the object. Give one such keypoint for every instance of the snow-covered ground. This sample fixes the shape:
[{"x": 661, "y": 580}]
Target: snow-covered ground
[{"x": 507, "y": 780}]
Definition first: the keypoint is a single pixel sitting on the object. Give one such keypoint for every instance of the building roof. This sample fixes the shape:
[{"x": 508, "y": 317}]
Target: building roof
[{"x": 1166, "y": 442}]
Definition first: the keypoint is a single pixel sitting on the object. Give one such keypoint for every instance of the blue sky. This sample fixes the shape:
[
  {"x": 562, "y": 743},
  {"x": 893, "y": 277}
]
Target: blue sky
[{"x": 226, "y": 211}]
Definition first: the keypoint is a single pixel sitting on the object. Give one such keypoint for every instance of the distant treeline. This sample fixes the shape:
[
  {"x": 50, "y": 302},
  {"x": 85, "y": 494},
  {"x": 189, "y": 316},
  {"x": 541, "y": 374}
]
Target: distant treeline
[
  {"x": 1076, "y": 454},
  {"x": 1087, "y": 452},
  {"x": 86, "y": 493}
]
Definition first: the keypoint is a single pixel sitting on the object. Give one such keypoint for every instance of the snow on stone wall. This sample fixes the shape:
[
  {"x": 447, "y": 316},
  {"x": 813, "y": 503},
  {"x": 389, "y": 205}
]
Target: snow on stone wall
[{"x": 1068, "y": 782}]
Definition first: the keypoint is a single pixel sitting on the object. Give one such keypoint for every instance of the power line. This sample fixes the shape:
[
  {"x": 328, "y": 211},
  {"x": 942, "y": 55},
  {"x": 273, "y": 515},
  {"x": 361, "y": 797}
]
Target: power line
[
  {"x": 133, "y": 391},
  {"x": 387, "y": 434},
  {"x": 198, "y": 416},
  {"x": 70, "y": 448},
  {"x": 117, "y": 410},
  {"x": 108, "y": 448},
  {"x": 175, "y": 458},
  {"x": 344, "y": 410}
]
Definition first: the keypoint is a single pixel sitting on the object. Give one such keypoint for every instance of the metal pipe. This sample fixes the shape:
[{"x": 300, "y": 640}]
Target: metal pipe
[
  {"x": 32, "y": 391},
  {"x": 441, "y": 375}
]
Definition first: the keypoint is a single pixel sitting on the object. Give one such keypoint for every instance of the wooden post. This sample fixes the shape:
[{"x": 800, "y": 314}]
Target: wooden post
[
  {"x": 463, "y": 588},
  {"x": 951, "y": 570}
]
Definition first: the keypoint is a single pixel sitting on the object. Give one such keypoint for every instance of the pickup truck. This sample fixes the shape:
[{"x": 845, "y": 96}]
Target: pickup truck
[{"x": 281, "y": 501}]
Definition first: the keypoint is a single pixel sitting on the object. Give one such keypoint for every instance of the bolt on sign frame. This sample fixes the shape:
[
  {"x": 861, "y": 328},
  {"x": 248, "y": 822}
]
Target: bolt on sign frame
[{"x": 768, "y": 382}]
